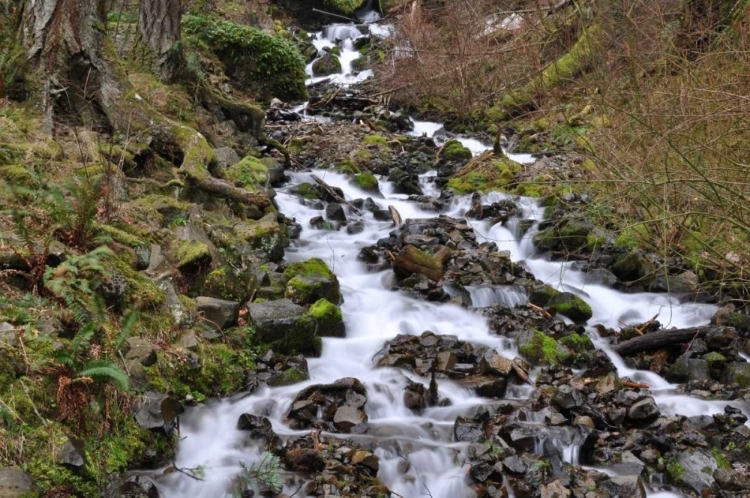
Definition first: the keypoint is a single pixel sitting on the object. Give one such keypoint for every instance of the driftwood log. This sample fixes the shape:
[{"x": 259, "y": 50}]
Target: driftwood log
[{"x": 656, "y": 340}]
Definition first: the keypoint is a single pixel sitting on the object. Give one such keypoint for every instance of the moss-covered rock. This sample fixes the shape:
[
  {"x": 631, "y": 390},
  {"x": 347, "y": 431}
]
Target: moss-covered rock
[
  {"x": 328, "y": 318},
  {"x": 376, "y": 139},
  {"x": 326, "y": 65},
  {"x": 229, "y": 284},
  {"x": 453, "y": 150},
  {"x": 311, "y": 280},
  {"x": 250, "y": 173},
  {"x": 632, "y": 266},
  {"x": 345, "y": 6},
  {"x": 284, "y": 327},
  {"x": 564, "y": 303},
  {"x": 265, "y": 235},
  {"x": 485, "y": 173},
  {"x": 541, "y": 349},
  {"x": 191, "y": 255},
  {"x": 367, "y": 182},
  {"x": 267, "y": 64},
  {"x": 306, "y": 190},
  {"x": 568, "y": 236}
]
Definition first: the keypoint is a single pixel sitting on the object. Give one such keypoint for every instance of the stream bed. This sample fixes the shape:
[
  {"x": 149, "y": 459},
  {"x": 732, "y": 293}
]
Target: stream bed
[{"x": 374, "y": 314}]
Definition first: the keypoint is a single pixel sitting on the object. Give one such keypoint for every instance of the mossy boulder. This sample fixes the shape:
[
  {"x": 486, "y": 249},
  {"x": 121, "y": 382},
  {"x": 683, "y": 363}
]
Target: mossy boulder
[
  {"x": 326, "y": 65},
  {"x": 737, "y": 374},
  {"x": 267, "y": 64},
  {"x": 541, "y": 349},
  {"x": 265, "y": 235},
  {"x": 328, "y": 318},
  {"x": 453, "y": 150},
  {"x": 345, "y": 6},
  {"x": 283, "y": 326},
  {"x": 568, "y": 236},
  {"x": 485, "y": 173},
  {"x": 367, "y": 182},
  {"x": 564, "y": 303},
  {"x": 632, "y": 266},
  {"x": 311, "y": 280},
  {"x": 191, "y": 255},
  {"x": 230, "y": 284},
  {"x": 250, "y": 173},
  {"x": 306, "y": 191}
]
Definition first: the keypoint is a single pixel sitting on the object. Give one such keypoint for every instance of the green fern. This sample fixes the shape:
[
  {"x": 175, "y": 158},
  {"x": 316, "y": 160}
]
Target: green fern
[
  {"x": 105, "y": 371},
  {"x": 128, "y": 322}
]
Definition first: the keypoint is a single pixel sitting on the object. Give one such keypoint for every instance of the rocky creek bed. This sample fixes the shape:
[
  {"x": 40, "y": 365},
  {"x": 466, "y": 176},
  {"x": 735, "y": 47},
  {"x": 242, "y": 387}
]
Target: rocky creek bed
[{"x": 449, "y": 348}]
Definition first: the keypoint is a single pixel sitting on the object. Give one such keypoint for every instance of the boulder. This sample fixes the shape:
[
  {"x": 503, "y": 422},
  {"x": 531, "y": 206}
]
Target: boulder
[
  {"x": 337, "y": 407},
  {"x": 468, "y": 430},
  {"x": 218, "y": 313},
  {"x": 225, "y": 157},
  {"x": 15, "y": 483},
  {"x": 625, "y": 487},
  {"x": 644, "y": 411},
  {"x": 737, "y": 374},
  {"x": 405, "y": 183},
  {"x": 132, "y": 487},
  {"x": 286, "y": 327},
  {"x": 335, "y": 212},
  {"x": 326, "y": 65},
  {"x": 567, "y": 398},
  {"x": 157, "y": 411},
  {"x": 328, "y": 319},
  {"x": 264, "y": 235},
  {"x": 311, "y": 280}
]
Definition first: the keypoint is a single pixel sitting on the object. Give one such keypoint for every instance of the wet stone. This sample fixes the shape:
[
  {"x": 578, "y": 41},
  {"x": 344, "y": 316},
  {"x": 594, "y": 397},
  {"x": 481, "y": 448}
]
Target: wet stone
[
  {"x": 515, "y": 465},
  {"x": 568, "y": 398},
  {"x": 644, "y": 410},
  {"x": 467, "y": 430},
  {"x": 625, "y": 486},
  {"x": 335, "y": 212}
]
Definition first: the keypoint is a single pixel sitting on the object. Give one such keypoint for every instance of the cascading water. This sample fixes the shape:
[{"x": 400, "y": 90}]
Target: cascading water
[{"x": 374, "y": 314}]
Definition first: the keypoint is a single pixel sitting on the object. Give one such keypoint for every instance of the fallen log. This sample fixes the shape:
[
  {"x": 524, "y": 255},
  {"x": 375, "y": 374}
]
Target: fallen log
[{"x": 656, "y": 340}]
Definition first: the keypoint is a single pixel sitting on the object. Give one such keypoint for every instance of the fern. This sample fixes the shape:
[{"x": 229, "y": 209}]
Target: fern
[
  {"x": 105, "y": 371},
  {"x": 128, "y": 322}
]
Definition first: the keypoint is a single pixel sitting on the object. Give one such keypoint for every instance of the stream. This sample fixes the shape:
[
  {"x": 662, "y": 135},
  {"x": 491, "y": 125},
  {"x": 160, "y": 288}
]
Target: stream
[{"x": 375, "y": 314}]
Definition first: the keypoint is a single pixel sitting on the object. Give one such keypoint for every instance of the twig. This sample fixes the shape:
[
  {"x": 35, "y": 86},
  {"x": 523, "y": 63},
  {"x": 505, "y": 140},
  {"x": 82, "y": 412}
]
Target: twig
[
  {"x": 334, "y": 15},
  {"x": 640, "y": 330},
  {"x": 188, "y": 472},
  {"x": 634, "y": 385},
  {"x": 541, "y": 310}
]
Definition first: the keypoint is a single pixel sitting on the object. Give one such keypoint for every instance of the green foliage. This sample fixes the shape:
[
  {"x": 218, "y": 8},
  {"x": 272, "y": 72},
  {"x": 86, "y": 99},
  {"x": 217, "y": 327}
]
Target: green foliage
[
  {"x": 345, "y": 6},
  {"x": 366, "y": 181},
  {"x": 453, "y": 150},
  {"x": 267, "y": 63},
  {"x": 76, "y": 281},
  {"x": 267, "y": 472},
  {"x": 675, "y": 470},
  {"x": 543, "y": 350}
]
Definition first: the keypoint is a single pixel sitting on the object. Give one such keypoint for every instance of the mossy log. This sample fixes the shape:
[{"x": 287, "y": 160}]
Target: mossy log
[{"x": 656, "y": 340}]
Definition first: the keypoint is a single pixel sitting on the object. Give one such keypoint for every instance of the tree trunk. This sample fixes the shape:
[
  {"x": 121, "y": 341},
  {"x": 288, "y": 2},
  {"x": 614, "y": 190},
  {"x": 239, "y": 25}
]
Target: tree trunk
[
  {"x": 159, "y": 30},
  {"x": 81, "y": 86},
  {"x": 64, "y": 39},
  {"x": 662, "y": 338}
]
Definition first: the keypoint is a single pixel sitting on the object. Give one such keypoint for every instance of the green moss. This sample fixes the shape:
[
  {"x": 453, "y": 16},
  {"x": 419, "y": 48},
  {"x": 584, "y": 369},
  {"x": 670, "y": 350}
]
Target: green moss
[
  {"x": 17, "y": 174},
  {"x": 366, "y": 181},
  {"x": 721, "y": 460},
  {"x": 675, "y": 470},
  {"x": 632, "y": 237},
  {"x": 311, "y": 280},
  {"x": 141, "y": 292},
  {"x": 121, "y": 236},
  {"x": 347, "y": 167},
  {"x": 573, "y": 307},
  {"x": 250, "y": 173},
  {"x": 288, "y": 377},
  {"x": 578, "y": 342},
  {"x": 268, "y": 64},
  {"x": 376, "y": 139},
  {"x": 543, "y": 350},
  {"x": 345, "y": 6},
  {"x": 311, "y": 268},
  {"x": 306, "y": 190},
  {"x": 192, "y": 254},
  {"x": 230, "y": 284},
  {"x": 328, "y": 317},
  {"x": 714, "y": 358},
  {"x": 453, "y": 150}
]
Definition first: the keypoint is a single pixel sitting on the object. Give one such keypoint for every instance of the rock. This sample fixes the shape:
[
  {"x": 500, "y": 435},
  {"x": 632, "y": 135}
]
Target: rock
[
  {"x": 625, "y": 487},
  {"x": 158, "y": 411},
  {"x": 468, "y": 430},
  {"x": 367, "y": 459},
  {"x": 445, "y": 361},
  {"x": 326, "y": 65},
  {"x": 727, "y": 479},
  {"x": 631, "y": 266},
  {"x": 15, "y": 483},
  {"x": 328, "y": 318},
  {"x": 132, "y": 487},
  {"x": 218, "y": 313},
  {"x": 356, "y": 227},
  {"x": 70, "y": 456},
  {"x": 600, "y": 276},
  {"x": 286, "y": 327},
  {"x": 310, "y": 280},
  {"x": 493, "y": 363},
  {"x": 571, "y": 306},
  {"x": 584, "y": 421},
  {"x": 225, "y": 157},
  {"x": 567, "y": 397},
  {"x": 174, "y": 306},
  {"x": 256, "y": 427},
  {"x": 140, "y": 350},
  {"x": 404, "y": 183},
  {"x": 335, "y": 212},
  {"x": 555, "y": 489},
  {"x": 414, "y": 397},
  {"x": 188, "y": 340},
  {"x": 515, "y": 465},
  {"x": 608, "y": 384},
  {"x": 382, "y": 215},
  {"x": 737, "y": 374},
  {"x": 412, "y": 260},
  {"x": 304, "y": 460},
  {"x": 8, "y": 335},
  {"x": 644, "y": 411},
  {"x": 347, "y": 417},
  {"x": 686, "y": 369},
  {"x": 492, "y": 389},
  {"x": 230, "y": 284},
  {"x": 694, "y": 468},
  {"x": 264, "y": 235}
]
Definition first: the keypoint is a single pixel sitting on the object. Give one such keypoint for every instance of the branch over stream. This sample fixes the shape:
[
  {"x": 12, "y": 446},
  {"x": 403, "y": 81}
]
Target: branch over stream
[{"x": 656, "y": 340}]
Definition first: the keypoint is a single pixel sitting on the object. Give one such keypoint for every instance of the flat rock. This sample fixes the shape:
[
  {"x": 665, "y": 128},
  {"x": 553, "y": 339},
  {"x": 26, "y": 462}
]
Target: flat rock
[
  {"x": 218, "y": 313},
  {"x": 14, "y": 482}
]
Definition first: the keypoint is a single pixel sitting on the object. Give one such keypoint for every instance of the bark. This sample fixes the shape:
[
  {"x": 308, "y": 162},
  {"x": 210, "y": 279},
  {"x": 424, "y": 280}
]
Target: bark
[
  {"x": 656, "y": 340},
  {"x": 65, "y": 41},
  {"x": 159, "y": 31}
]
